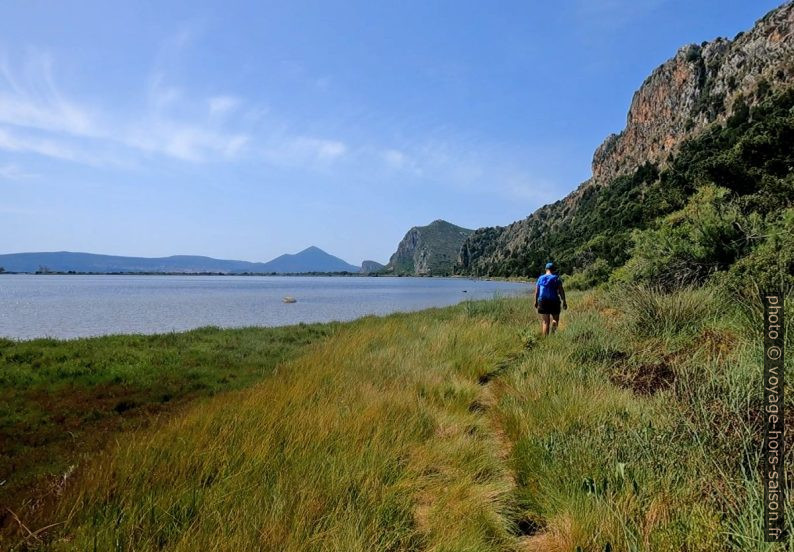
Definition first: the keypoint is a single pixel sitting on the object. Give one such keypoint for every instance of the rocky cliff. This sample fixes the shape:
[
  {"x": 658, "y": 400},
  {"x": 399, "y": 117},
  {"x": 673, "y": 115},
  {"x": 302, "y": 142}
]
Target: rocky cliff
[
  {"x": 701, "y": 84},
  {"x": 428, "y": 250},
  {"x": 700, "y": 87},
  {"x": 370, "y": 267}
]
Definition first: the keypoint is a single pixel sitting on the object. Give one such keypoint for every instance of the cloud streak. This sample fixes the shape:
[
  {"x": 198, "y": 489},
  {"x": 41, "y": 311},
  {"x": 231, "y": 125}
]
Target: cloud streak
[
  {"x": 472, "y": 168},
  {"x": 37, "y": 117},
  {"x": 9, "y": 171},
  {"x": 36, "y": 104},
  {"x": 13, "y": 142}
]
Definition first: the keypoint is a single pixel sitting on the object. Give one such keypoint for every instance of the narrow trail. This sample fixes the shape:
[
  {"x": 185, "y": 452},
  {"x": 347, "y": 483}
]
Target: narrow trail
[
  {"x": 530, "y": 537},
  {"x": 487, "y": 489}
]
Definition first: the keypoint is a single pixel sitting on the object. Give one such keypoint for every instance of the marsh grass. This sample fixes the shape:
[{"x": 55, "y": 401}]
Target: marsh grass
[
  {"x": 366, "y": 442},
  {"x": 652, "y": 312},
  {"x": 602, "y": 462},
  {"x": 458, "y": 429},
  {"x": 61, "y": 401}
]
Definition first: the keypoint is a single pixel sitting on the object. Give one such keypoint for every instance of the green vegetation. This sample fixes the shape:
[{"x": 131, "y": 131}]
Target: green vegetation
[
  {"x": 749, "y": 158},
  {"x": 639, "y": 426},
  {"x": 369, "y": 441},
  {"x": 634, "y": 428},
  {"x": 62, "y": 400},
  {"x": 688, "y": 246}
]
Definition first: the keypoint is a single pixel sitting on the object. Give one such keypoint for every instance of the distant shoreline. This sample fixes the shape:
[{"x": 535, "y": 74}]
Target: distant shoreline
[
  {"x": 76, "y": 273},
  {"x": 285, "y": 274}
]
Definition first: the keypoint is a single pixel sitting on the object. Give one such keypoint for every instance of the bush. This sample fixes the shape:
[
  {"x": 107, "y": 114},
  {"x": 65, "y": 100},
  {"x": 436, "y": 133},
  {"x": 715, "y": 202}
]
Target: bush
[
  {"x": 688, "y": 246},
  {"x": 595, "y": 274},
  {"x": 769, "y": 266}
]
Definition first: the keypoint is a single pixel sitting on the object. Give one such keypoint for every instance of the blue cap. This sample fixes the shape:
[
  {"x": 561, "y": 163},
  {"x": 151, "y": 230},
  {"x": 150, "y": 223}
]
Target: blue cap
[{"x": 549, "y": 266}]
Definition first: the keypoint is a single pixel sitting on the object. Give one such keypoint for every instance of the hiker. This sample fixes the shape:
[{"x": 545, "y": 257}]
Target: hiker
[{"x": 548, "y": 292}]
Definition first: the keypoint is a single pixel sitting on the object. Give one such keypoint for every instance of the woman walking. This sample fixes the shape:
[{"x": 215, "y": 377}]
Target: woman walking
[{"x": 549, "y": 294}]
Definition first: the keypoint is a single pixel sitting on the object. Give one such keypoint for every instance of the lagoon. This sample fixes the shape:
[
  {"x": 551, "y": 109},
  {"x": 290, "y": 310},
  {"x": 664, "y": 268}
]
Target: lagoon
[{"x": 70, "y": 306}]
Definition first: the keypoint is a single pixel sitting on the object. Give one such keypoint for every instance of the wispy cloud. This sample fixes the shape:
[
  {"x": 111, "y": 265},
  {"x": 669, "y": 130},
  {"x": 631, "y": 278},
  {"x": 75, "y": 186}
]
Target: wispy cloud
[
  {"x": 328, "y": 149},
  {"x": 222, "y": 105},
  {"x": 394, "y": 158},
  {"x": 30, "y": 100},
  {"x": 161, "y": 94},
  {"x": 9, "y": 171},
  {"x": 467, "y": 166},
  {"x": 303, "y": 151},
  {"x": 36, "y": 102},
  {"x": 37, "y": 116},
  {"x": 184, "y": 141},
  {"x": 10, "y": 141}
]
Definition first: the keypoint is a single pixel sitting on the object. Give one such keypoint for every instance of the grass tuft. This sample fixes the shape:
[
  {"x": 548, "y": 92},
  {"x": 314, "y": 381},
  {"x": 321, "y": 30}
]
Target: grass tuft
[{"x": 651, "y": 312}]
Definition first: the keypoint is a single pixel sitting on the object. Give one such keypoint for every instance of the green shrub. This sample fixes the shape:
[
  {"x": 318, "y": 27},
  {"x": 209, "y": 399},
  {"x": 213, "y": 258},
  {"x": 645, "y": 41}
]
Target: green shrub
[
  {"x": 596, "y": 273},
  {"x": 769, "y": 266},
  {"x": 688, "y": 246}
]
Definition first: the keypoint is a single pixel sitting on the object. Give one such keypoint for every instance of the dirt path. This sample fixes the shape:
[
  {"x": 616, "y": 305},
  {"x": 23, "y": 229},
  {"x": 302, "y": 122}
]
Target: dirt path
[{"x": 530, "y": 535}]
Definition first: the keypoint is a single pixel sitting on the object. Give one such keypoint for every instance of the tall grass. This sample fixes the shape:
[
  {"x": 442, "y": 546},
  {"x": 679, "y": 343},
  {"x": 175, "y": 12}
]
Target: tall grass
[
  {"x": 63, "y": 400},
  {"x": 610, "y": 455},
  {"x": 368, "y": 442},
  {"x": 635, "y": 428},
  {"x": 653, "y": 312}
]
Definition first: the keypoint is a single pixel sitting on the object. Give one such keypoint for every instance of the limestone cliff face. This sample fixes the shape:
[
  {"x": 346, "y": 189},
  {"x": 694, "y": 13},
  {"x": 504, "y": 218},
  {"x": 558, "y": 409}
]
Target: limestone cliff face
[
  {"x": 701, "y": 85},
  {"x": 698, "y": 86},
  {"x": 428, "y": 250},
  {"x": 370, "y": 267}
]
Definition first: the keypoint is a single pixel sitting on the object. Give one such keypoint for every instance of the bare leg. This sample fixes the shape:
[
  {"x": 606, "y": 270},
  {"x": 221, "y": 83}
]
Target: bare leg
[
  {"x": 555, "y": 321},
  {"x": 544, "y": 324}
]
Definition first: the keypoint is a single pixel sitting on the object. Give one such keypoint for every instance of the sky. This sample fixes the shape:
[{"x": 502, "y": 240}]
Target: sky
[{"x": 244, "y": 130}]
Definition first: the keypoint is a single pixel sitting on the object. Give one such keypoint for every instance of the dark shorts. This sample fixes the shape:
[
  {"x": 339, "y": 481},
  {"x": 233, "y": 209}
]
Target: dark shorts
[{"x": 546, "y": 306}]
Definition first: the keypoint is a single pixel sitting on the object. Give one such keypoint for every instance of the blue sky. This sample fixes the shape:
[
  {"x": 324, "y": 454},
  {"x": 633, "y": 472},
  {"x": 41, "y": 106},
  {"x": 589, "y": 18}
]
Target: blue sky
[{"x": 245, "y": 130}]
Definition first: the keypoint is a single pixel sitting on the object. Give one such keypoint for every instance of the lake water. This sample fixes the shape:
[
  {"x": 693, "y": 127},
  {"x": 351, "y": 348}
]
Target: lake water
[{"x": 78, "y": 306}]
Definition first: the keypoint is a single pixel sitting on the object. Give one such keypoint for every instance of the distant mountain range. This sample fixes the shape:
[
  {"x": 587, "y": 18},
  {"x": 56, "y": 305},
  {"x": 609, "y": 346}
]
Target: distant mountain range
[
  {"x": 311, "y": 259},
  {"x": 424, "y": 251}
]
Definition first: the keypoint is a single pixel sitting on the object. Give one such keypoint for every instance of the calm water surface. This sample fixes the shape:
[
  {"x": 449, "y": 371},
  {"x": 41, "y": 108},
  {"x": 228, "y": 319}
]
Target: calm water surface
[{"x": 77, "y": 306}]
